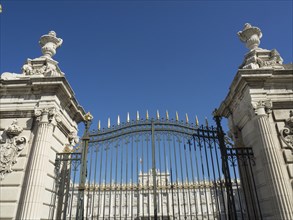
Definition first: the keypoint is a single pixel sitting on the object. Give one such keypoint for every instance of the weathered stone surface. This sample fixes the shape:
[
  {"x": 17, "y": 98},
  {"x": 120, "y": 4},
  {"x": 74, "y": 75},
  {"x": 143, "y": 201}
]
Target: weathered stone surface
[
  {"x": 257, "y": 57},
  {"x": 257, "y": 107},
  {"x": 45, "y": 107}
]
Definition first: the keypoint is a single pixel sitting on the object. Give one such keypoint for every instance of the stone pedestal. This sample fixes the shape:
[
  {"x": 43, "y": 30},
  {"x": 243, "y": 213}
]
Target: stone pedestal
[
  {"x": 257, "y": 108},
  {"x": 38, "y": 118}
]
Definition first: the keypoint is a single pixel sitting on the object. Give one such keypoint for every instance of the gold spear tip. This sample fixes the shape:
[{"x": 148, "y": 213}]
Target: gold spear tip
[
  {"x": 109, "y": 123},
  {"x": 137, "y": 115},
  {"x": 207, "y": 122},
  {"x": 177, "y": 117},
  {"x": 118, "y": 120},
  {"x": 196, "y": 121},
  {"x": 158, "y": 115},
  {"x": 99, "y": 125},
  {"x": 147, "y": 115},
  {"x": 128, "y": 117},
  {"x": 167, "y": 115},
  {"x": 186, "y": 117}
]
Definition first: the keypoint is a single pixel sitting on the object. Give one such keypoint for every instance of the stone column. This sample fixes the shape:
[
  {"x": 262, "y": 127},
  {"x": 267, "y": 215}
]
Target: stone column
[
  {"x": 33, "y": 206},
  {"x": 271, "y": 162}
]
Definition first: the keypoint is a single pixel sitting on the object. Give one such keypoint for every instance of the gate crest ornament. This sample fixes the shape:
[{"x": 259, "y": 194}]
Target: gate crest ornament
[
  {"x": 287, "y": 131},
  {"x": 10, "y": 148}
]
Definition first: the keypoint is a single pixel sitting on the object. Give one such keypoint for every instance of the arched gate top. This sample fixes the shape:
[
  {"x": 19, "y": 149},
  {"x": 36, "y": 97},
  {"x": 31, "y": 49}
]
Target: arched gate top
[{"x": 146, "y": 126}]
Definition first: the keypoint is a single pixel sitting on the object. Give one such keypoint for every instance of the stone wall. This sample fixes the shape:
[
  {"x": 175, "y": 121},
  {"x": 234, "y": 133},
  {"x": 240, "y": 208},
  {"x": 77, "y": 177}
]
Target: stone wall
[{"x": 38, "y": 117}]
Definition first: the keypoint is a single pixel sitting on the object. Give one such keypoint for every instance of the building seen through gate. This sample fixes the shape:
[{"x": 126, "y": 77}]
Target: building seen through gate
[{"x": 186, "y": 200}]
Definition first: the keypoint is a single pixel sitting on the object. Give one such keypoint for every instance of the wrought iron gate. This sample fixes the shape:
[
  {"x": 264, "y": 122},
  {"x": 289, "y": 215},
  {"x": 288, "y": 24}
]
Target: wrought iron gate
[{"x": 156, "y": 169}]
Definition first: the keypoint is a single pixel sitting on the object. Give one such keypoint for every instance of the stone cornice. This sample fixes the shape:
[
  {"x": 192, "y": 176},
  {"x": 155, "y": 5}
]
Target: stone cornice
[
  {"x": 257, "y": 78},
  {"x": 46, "y": 85}
]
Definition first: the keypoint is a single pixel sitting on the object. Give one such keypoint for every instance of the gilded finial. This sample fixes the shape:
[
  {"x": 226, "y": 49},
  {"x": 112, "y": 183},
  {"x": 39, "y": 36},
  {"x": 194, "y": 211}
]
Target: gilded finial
[
  {"x": 99, "y": 125},
  {"x": 158, "y": 115},
  {"x": 186, "y": 117},
  {"x": 177, "y": 117},
  {"x": 147, "y": 115},
  {"x": 137, "y": 116},
  {"x": 109, "y": 123},
  {"x": 196, "y": 121},
  {"x": 167, "y": 115},
  {"x": 128, "y": 117},
  {"x": 88, "y": 117},
  {"x": 118, "y": 120}
]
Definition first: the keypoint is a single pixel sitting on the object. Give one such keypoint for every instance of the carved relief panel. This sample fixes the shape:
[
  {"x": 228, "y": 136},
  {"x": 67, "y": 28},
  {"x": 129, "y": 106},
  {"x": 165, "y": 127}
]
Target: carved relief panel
[{"x": 11, "y": 145}]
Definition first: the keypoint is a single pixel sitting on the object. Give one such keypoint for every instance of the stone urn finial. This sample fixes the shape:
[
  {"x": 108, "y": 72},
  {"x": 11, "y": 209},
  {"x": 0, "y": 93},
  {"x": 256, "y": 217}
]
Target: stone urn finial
[
  {"x": 251, "y": 36},
  {"x": 49, "y": 43}
]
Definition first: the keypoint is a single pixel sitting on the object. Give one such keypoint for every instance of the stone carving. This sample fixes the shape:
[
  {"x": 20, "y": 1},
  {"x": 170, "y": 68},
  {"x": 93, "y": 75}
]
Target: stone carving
[
  {"x": 47, "y": 115},
  {"x": 11, "y": 147},
  {"x": 251, "y": 36},
  {"x": 73, "y": 139},
  {"x": 258, "y": 58},
  {"x": 50, "y": 43},
  {"x": 43, "y": 66},
  {"x": 287, "y": 132},
  {"x": 262, "y": 107},
  {"x": 27, "y": 69},
  {"x": 273, "y": 60}
]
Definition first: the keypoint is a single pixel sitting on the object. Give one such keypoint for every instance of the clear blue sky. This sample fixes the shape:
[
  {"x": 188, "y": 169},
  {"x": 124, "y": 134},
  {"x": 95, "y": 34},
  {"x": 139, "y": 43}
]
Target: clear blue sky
[{"x": 124, "y": 56}]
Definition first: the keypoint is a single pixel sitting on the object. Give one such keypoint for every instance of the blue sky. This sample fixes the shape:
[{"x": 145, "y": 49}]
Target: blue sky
[{"x": 124, "y": 56}]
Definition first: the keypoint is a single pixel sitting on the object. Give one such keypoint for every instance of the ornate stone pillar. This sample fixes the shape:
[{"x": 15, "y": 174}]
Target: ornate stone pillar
[
  {"x": 282, "y": 203},
  {"x": 38, "y": 164}
]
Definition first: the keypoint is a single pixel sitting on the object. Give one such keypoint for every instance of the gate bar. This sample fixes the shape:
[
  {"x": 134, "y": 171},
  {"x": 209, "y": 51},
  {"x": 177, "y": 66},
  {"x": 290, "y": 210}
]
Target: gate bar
[
  {"x": 83, "y": 170},
  {"x": 154, "y": 171},
  {"x": 225, "y": 169}
]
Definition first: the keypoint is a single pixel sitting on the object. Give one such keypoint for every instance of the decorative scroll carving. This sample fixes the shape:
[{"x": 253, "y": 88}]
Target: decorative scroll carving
[
  {"x": 287, "y": 132},
  {"x": 262, "y": 107},
  {"x": 11, "y": 147}
]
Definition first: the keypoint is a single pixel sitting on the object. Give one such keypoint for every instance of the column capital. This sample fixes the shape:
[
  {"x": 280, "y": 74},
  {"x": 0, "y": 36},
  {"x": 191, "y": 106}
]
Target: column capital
[
  {"x": 262, "y": 107},
  {"x": 47, "y": 115}
]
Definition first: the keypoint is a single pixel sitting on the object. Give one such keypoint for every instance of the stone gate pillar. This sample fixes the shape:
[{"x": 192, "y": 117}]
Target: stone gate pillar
[
  {"x": 38, "y": 118},
  {"x": 258, "y": 108},
  {"x": 32, "y": 202}
]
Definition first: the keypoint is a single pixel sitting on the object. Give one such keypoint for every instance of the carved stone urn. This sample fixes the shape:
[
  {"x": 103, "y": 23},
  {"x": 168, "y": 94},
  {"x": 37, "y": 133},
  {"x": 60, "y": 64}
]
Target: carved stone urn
[
  {"x": 49, "y": 44},
  {"x": 251, "y": 36}
]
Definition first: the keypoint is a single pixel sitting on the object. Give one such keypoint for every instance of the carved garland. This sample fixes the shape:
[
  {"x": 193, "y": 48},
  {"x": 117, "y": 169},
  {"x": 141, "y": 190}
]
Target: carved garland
[
  {"x": 10, "y": 148},
  {"x": 287, "y": 132}
]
